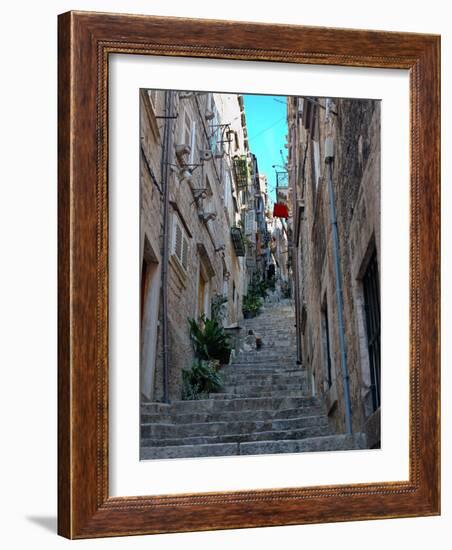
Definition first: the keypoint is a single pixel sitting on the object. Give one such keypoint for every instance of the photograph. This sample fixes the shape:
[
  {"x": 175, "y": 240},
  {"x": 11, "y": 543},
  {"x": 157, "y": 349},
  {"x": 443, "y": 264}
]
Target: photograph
[{"x": 260, "y": 274}]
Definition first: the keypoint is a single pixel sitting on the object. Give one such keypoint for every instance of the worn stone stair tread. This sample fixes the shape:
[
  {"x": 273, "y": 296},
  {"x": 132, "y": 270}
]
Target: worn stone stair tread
[
  {"x": 190, "y": 451},
  {"x": 286, "y": 435},
  {"x": 262, "y": 373},
  {"x": 170, "y": 430},
  {"x": 272, "y": 374},
  {"x": 271, "y": 379},
  {"x": 259, "y": 414},
  {"x": 240, "y": 389},
  {"x": 234, "y": 404},
  {"x": 263, "y": 393},
  {"x": 271, "y": 435},
  {"x": 329, "y": 443},
  {"x": 243, "y": 368},
  {"x": 309, "y": 444}
]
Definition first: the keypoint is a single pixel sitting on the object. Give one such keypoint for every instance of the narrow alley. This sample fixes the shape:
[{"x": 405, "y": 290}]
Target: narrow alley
[
  {"x": 265, "y": 407},
  {"x": 260, "y": 274}
]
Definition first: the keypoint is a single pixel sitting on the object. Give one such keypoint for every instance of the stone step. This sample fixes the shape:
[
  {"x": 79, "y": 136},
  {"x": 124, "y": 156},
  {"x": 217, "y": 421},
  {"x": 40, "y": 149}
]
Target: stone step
[
  {"x": 262, "y": 369},
  {"x": 263, "y": 360},
  {"x": 316, "y": 444},
  {"x": 264, "y": 388},
  {"x": 169, "y": 430},
  {"x": 277, "y": 366},
  {"x": 269, "y": 314},
  {"x": 271, "y": 435},
  {"x": 268, "y": 355},
  {"x": 272, "y": 324},
  {"x": 234, "y": 378},
  {"x": 232, "y": 416},
  {"x": 279, "y": 329},
  {"x": 266, "y": 379},
  {"x": 277, "y": 337},
  {"x": 189, "y": 451},
  {"x": 260, "y": 393},
  {"x": 229, "y": 405},
  {"x": 270, "y": 321}
]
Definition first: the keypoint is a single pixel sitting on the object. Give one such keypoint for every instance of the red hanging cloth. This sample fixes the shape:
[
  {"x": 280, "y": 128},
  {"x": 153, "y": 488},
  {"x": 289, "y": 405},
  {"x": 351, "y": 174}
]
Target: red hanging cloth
[{"x": 280, "y": 210}]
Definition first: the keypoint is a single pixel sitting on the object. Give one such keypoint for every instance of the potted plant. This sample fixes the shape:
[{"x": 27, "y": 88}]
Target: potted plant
[
  {"x": 201, "y": 379},
  {"x": 210, "y": 341},
  {"x": 251, "y": 305}
]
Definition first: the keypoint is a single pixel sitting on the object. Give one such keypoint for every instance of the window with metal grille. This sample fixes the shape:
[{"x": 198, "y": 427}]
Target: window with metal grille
[{"x": 371, "y": 287}]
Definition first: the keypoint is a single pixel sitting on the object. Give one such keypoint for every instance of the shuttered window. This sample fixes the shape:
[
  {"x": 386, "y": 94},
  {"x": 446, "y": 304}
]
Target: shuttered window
[
  {"x": 185, "y": 253},
  {"x": 180, "y": 243}
]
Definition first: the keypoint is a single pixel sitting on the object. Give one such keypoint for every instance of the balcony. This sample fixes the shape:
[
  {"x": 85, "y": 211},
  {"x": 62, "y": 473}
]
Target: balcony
[
  {"x": 238, "y": 241},
  {"x": 242, "y": 174}
]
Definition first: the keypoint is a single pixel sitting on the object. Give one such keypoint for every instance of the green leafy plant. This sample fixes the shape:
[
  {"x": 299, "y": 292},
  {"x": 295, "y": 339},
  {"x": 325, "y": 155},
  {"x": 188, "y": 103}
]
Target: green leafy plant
[
  {"x": 251, "y": 304},
  {"x": 259, "y": 286},
  {"x": 257, "y": 291},
  {"x": 201, "y": 379},
  {"x": 209, "y": 340}
]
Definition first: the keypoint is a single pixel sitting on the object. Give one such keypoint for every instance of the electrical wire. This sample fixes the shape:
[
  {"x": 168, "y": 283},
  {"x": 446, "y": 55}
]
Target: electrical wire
[{"x": 268, "y": 128}]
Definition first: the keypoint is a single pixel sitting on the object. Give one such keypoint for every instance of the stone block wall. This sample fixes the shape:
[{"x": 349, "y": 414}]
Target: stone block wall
[{"x": 355, "y": 127}]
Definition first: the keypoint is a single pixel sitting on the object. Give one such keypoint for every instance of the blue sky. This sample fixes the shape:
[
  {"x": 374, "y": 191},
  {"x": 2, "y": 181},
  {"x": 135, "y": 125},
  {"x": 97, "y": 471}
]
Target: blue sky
[{"x": 266, "y": 120}]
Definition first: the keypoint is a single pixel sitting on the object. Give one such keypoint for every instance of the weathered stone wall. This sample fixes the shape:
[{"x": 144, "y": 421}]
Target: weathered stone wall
[
  {"x": 151, "y": 227},
  {"x": 209, "y": 248},
  {"x": 355, "y": 127}
]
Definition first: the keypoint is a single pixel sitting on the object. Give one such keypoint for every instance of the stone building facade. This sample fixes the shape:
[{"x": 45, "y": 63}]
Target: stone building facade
[
  {"x": 197, "y": 206},
  {"x": 334, "y": 182}
]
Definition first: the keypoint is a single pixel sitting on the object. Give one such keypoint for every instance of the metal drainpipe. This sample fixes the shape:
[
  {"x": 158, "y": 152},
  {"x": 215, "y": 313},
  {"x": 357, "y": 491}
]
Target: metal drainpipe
[
  {"x": 339, "y": 296},
  {"x": 294, "y": 143},
  {"x": 165, "y": 163}
]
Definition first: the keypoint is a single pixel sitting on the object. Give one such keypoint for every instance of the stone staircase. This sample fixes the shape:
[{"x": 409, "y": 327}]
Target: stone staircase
[{"x": 265, "y": 406}]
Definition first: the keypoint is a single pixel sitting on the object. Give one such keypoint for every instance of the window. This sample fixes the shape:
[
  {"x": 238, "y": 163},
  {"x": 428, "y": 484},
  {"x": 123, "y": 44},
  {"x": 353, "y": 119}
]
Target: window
[
  {"x": 326, "y": 340},
  {"x": 371, "y": 287},
  {"x": 180, "y": 243}
]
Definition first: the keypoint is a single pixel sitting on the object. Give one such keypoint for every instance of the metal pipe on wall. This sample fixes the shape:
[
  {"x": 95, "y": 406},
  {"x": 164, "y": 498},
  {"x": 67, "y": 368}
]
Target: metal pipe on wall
[
  {"x": 165, "y": 164},
  {"x": 295, "y": 214},
  {"x": 329, "y": 159}
]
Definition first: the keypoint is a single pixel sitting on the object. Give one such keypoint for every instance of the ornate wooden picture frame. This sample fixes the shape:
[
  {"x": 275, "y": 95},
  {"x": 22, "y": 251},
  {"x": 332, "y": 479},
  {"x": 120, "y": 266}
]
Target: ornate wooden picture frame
[{"x": 86, "y": 40}]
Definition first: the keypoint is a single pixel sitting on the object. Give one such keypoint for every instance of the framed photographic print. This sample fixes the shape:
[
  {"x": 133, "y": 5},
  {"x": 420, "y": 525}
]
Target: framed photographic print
[{"x": 248, "y": 275}]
